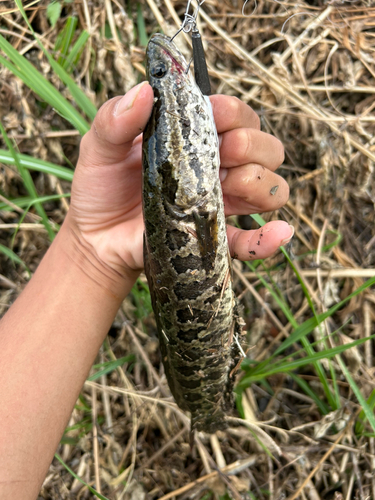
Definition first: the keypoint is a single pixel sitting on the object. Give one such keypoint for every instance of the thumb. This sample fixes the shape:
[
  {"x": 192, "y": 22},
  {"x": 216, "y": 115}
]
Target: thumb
[{"x": 118, "y": 122}]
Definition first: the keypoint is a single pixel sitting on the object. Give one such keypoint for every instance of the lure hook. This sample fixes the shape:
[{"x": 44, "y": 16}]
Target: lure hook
[
  {"x": 200, "y": 66},
  {"x": 189, "y": 23}
]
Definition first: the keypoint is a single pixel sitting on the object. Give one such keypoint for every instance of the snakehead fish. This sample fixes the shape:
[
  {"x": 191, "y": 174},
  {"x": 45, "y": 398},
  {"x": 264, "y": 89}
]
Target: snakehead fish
[{"x": 185, "y": 245}]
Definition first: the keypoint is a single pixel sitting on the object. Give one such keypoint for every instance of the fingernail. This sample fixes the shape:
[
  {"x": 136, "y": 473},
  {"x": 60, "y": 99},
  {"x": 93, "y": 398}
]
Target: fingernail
[
  {"x": 286, "y": 240},
  {"x": 128, "y": 100},
  {"x": 223, "y": 174}
]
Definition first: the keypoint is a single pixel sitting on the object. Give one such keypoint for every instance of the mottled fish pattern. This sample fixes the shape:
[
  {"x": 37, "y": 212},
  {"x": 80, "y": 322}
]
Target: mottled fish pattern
[{"x": 185, "y": 246}]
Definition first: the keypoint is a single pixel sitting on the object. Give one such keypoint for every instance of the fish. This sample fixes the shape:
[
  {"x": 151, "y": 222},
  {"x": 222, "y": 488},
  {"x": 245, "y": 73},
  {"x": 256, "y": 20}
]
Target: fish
[{"x": 186, "y": 256}]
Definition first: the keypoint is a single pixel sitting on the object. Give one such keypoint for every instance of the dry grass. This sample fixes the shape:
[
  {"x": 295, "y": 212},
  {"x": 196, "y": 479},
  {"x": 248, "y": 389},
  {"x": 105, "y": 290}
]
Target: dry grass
[{"x": 307, "y": 68}]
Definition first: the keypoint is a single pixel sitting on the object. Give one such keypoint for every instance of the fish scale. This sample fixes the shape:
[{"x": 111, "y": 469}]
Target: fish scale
[{"x": 187, "y": 264}]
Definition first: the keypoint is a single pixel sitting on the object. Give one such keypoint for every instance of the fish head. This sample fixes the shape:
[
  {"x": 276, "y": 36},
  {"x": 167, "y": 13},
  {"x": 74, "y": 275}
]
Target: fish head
[{"x": 166, "y": 67}]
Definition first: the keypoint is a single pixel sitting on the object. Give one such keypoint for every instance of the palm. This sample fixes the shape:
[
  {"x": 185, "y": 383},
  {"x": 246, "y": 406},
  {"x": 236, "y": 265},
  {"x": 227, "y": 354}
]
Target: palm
[
  {"x": 106, "y": 193},
  {"x": 106, "y": 204}
]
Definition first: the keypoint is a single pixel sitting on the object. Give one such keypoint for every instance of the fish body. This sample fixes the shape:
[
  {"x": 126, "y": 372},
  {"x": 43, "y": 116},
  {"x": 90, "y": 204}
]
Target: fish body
[{"x": 185, "y": 245}]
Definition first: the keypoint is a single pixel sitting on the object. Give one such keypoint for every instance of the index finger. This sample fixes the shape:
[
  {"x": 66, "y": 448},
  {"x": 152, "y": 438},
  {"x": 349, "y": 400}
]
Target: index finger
[{"x": 231, "y": 113}]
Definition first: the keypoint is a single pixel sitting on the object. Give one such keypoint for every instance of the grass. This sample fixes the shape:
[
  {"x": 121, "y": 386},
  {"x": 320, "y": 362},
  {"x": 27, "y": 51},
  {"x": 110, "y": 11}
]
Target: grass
[
  {"x": 306, "y": 355},
  {"x": 92, "y": 490}
]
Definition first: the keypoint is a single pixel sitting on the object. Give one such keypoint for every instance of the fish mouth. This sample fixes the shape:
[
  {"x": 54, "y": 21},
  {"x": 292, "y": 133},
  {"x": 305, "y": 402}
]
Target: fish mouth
[{"x": 164, "y": 42}]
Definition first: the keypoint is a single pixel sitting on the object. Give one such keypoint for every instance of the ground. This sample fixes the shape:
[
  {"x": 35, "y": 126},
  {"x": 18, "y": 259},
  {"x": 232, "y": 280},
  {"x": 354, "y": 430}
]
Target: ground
[{"x": 307, "y": 69}]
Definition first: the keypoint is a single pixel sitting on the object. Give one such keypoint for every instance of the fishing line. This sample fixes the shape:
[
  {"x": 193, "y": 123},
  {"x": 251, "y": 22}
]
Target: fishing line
[
  {"x": 308, "y": 14},
  {"x": 190, "y": 20},
  {"x": 189, "y": 24},
  {"x": 254, "y": 10}
]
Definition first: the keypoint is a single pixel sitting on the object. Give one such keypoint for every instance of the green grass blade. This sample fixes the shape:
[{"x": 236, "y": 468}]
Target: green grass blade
[
  {"x": 142, "y": 299},
  {"x": 78, "y": 95},
  {"x": 278, "y": 298},
  {"x": 362, "y": 401},
  {"x": 84, "y": 425},
  {"x": 142, "y": 33},
  {"x": 307, "y": 326},
  {"x": 19, "y": 202},
  {"x": 92, "y": 490},
  {"x": 109, "y": 366},
  {"x": 287, "y": 366},
  {"x": 333, "y": 401},
  {"x": 24, "y": 70},
  {"x": 333, "y": 398},
  {"x": 14, "y": 257},
  {"x": 67, "y": 38},
  {"x": 53, "y": 12},
  {"x": 259, "y": 367},
  {"x": 19, "y": 224},
  {"x": 258, "y": 219},
  {"x": 26, "y": 201},
  {"x": 77, "y": 48},
  {"x": 29, "y": 185},
  {"x": 31, "y": 203},
  {"x": 325, "y": 248},
  {"x": 324, "y": 409},
  {"x": 360, "y": 424},
  {"x": 31, "y": 163}
]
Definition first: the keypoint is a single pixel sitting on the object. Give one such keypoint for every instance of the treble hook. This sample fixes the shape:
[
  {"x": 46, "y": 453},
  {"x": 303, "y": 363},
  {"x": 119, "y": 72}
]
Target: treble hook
[{"x": 189, "y": 22}]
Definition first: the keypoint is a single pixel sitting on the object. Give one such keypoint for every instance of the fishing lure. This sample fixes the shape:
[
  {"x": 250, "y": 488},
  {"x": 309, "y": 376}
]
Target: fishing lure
[{"x": 187, "y": 263}]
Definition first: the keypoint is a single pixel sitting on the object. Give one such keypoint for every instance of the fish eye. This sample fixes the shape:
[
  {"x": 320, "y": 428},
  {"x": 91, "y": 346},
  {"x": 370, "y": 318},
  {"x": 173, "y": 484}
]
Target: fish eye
[{"x": 159, "y": 70}]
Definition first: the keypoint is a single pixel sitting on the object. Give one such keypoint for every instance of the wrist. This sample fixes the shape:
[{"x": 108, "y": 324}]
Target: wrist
[
  {"x": 49, "y": 339},
  {"x": 82, "y": 254}
]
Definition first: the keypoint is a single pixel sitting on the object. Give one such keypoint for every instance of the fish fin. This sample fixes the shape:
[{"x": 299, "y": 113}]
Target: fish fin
[{"x": 207, "y": 234}]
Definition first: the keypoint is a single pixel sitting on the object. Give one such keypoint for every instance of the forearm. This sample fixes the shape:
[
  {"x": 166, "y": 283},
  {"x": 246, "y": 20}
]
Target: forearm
[{"x": 48, "y": 341}]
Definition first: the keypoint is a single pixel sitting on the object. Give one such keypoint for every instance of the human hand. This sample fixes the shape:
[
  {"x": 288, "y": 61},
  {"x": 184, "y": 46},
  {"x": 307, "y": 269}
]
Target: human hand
[
  {"x": 249, "y": 158},
  {"x": 106, "y": 206}
]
